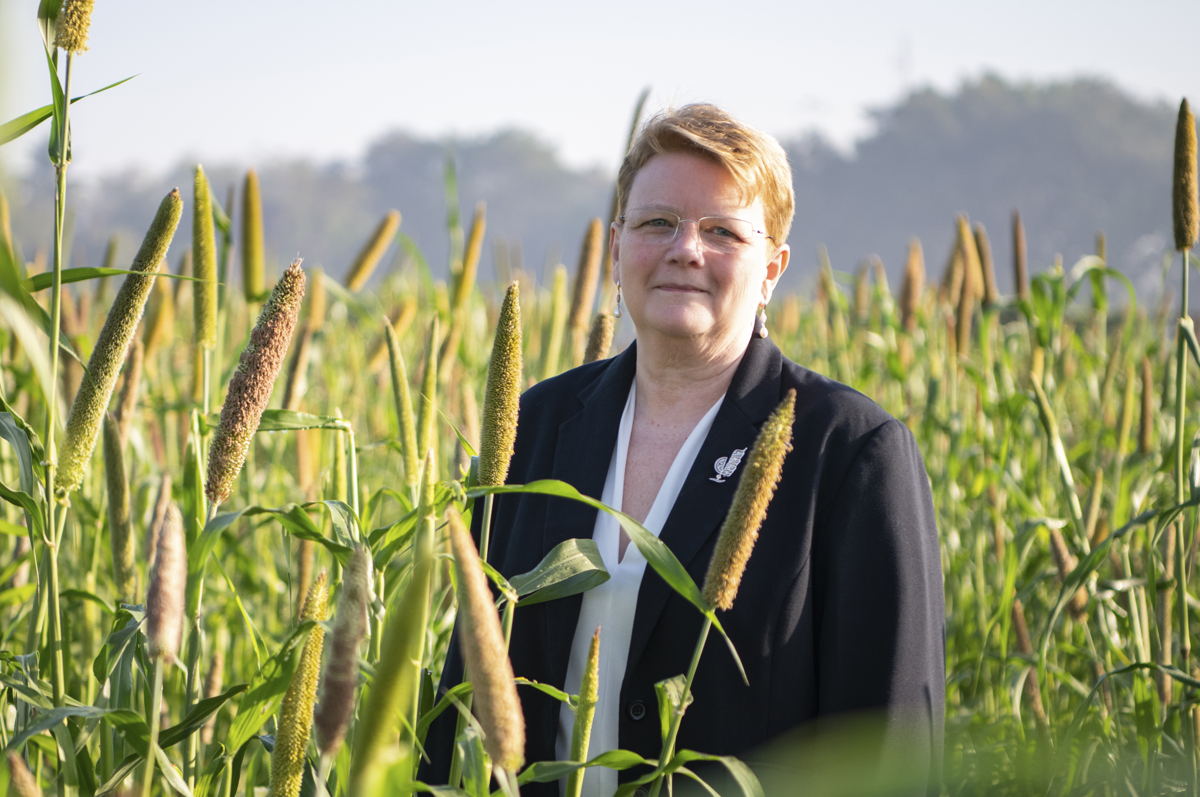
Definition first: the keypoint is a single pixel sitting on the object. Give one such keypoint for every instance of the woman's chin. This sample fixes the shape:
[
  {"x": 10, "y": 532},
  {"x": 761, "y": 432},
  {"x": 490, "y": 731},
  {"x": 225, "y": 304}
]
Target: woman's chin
[{"x": 681, "y": 325}]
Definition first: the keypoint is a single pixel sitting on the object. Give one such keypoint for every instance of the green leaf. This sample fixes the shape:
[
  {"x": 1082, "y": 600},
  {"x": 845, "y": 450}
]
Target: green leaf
[
  {"x": 546, "y": 689},
  {"x": 655, "y": 551},
  {"x": 47, "y": 15},
  {"x": 742, "y": 774},
  {"x": 195, "y": 718},
  {"x": 29, "y": 324},
  {"x": 571, "y": 567},
  {"x": 453, "y": 695},
  {"x": 60, "y": 134},
  {"x": 506, "y": 589},
  {"x": 84, "y": 595},
  {"x": 40, "y": 282},
  {"x": 294, "y": 519},
  {"x": 341, "y": 517},
  {"x": 15, "y": 596},
  {"x": 124, "y": 631},
  {"x": 169, "y": 772},
  {"x": 548, "y": 771},
  {"x": 265, "y": 691},
  {"x": 1188, "y": 330},
  {"x": 15, "y": 128},
  {"x": 671, "y": 694},
  {"x": 10, "y": 529},
  {"x": 33, "y": 513},
  {"x": 12, "y": 431},
  {"x": 279, "y": 420},
  {"x": 52, "y": 717}
]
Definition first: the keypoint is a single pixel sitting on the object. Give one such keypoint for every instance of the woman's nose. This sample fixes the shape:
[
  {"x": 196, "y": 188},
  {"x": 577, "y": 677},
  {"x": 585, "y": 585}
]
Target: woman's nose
[{"x": 687, "y": 242}]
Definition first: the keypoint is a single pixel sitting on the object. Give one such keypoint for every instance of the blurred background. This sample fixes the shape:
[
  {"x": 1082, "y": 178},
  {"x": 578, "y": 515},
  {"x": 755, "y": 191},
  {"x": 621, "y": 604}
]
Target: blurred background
[{"x": 896, "y": 117}]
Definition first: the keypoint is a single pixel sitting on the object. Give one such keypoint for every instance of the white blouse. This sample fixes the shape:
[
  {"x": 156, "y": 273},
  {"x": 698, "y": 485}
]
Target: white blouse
[{"x": 612, "y": 604}]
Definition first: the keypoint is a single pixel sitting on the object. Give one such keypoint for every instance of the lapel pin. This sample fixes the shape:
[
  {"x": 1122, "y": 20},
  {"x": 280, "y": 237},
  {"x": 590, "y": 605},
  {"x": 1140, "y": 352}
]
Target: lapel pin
[{"x": 725, "y": 466}]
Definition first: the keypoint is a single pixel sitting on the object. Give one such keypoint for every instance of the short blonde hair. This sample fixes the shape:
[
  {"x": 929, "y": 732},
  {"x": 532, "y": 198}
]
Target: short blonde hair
[{"x": 757, "y": 163}]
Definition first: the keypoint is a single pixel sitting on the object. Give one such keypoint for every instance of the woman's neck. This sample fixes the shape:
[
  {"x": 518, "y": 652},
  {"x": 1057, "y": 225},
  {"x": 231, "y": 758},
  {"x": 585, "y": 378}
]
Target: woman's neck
[{"x": 678, "y": 378}]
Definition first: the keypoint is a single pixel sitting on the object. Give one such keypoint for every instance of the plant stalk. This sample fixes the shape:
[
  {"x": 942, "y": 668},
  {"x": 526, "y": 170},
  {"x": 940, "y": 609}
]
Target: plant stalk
[
  {"x": 155, "y": 722},
  {"x": 677, "y": 715}
]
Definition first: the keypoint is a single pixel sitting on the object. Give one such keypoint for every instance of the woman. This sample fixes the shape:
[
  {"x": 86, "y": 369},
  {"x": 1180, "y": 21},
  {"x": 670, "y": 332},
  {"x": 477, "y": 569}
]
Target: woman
[{"x": 840, "y": 609}]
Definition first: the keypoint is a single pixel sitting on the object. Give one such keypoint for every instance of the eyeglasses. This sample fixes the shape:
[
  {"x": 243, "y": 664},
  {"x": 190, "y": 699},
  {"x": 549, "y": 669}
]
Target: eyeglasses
[{"x": 717, "y": 233}]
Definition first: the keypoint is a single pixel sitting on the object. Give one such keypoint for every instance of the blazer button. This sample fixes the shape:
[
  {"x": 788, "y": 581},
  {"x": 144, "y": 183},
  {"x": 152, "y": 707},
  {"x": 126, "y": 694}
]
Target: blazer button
[{"x": 637, "y": 710}]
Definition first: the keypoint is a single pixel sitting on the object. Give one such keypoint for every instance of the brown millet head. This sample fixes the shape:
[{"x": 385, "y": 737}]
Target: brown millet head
[
  {"x": 1187, "y": 213},
  {"x": 502, "y": 395},
  {"x": 120, "y": 525},
  {"x": 756, "y": 486},
  {"x": 488, "y": 665},
  {"x": 913, "y": 285},
  {"x": 340, "y": 678},
  {"x": 1020, "y": 266},
  {"x": 21, "y": 782},
  {"x": 250, "y": 387},
  {"x": 168, "y": 585},
  {"x": 584, "y": 293},
  {"x": 600, "y": 337}
]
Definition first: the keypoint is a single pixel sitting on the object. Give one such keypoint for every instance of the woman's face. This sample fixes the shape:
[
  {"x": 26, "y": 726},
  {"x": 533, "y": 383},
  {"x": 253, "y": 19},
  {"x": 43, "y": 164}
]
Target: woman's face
[{"x": 693, "y": 286}]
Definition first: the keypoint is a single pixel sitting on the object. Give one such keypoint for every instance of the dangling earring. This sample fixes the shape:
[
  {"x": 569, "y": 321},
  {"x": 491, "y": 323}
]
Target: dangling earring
[
  {"x": 617, "y": 309},
  {"x": 762, "y": 319}
]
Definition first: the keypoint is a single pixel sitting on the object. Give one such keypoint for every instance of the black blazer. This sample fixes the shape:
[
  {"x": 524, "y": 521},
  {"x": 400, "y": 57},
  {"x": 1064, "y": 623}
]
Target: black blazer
[{"x": 841, "y": 607}]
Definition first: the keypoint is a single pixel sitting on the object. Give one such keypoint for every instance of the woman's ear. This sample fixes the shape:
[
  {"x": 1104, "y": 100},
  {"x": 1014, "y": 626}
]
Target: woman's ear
[
  {"x": 614, "y": 249},
  {"x": 775, "y": 268}
]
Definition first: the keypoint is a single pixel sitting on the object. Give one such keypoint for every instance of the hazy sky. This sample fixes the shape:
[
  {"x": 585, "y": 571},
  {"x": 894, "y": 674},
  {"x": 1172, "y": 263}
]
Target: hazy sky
[{"x": 249, "y": 81}]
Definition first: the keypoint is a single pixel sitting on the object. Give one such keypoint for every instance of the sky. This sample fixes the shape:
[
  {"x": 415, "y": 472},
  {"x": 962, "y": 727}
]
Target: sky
[{"x": 247, "y": 82}]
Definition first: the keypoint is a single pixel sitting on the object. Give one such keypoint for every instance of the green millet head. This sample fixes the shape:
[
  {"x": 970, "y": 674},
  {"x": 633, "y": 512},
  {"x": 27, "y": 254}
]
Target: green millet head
[
  {"x": 71, "y": 28},
  {"x": 585, "y": 714},
  {"x": 404, "y": 408},
  {"x": 470, "y": 261},
  {"x": 1187, "y": 214},
  {"x": 364, "y": 265},
  {"x": 204, "y": 263},
  {"x": 112, "y": 344},
  {"x": 502, "y": 395},
  {"x": 253, "y": 282},
  {"x": 756, "y": 486},
  {"x": 314, "y": 317},
  {"x": 250, "y": 388},
  {"x": 488, "y": 665},
  {"x": 296, "y": 711}
]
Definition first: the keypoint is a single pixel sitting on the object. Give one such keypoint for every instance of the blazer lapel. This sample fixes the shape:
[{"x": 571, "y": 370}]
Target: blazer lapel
[
  {"x": 581, "y": 459},
  {"x": 702, "y": 503}
]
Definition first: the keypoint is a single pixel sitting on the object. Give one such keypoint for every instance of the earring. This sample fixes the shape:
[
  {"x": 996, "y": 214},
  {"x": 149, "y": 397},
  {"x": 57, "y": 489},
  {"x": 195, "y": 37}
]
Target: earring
[
  {"x": 617, "y": 309},
  {"x": 762, "y": 319}
]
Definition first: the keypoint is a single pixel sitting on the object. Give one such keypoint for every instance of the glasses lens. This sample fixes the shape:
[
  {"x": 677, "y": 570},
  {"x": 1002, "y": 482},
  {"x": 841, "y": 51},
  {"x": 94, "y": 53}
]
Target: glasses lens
[
  {"x": 653, "y": 224},
  {"x": 725, "y": 233}
]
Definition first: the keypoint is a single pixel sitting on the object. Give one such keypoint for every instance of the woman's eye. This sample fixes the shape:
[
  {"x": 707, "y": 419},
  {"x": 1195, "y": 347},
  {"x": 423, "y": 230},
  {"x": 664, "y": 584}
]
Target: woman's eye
[{"x": 723, "y": 232}]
